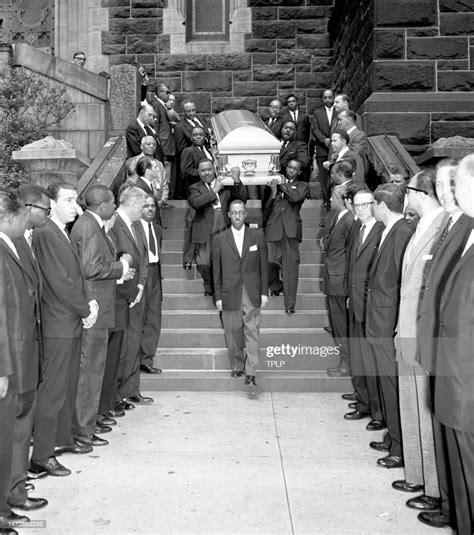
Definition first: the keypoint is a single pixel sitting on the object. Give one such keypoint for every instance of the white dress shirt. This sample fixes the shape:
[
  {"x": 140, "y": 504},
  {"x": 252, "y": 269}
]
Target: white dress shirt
[{"x": 239, "y": 238}]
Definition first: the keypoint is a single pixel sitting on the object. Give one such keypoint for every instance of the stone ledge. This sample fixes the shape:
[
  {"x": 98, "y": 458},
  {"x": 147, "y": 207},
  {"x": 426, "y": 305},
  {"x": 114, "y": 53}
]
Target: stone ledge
[{"x": 421, "y": 102}]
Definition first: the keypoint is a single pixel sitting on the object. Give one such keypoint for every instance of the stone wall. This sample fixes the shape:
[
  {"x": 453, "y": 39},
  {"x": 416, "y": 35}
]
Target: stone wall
[
  {"x": 408, "y": 66},
  {"x": 286, "y": 51}
]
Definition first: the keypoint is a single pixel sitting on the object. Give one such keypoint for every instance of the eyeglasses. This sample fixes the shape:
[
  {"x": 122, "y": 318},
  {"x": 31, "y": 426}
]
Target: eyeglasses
[
  {"x": 417, "y": 189},
  {"x": 47, "y": 210},
  {"x": 363, "y": 205},
  {"x": 239, "y": 212}
]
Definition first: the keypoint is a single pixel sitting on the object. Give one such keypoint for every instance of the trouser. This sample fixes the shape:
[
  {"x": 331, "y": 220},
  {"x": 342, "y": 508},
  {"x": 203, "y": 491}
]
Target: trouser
[
  {"x": 91, "y": 375},
  {"x": 204, "y": 252},
  {"x": 324, "y": 178},
  {"x": 109, "y": 392},
  {"x": 339, "y": 319},
  {"x": 189, "y": 249},
  {"x": 286, "y": 253},
  {"x": 242, "y": 331},
  {"x": 151, "y": 316},
  {"x": 56, "y": 396}
]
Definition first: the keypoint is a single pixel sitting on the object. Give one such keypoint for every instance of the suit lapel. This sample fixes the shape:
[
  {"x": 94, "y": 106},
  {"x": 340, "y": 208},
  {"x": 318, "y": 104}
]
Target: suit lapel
[
  {"x": 230, "y": 239},
  {"x": 30, "y": 281},
  {"x": 370, "y": 238},
  {"x": 127, "y": 232},
  {"x": 468, "y": 255},
  {"x": 387, "y": 239}
]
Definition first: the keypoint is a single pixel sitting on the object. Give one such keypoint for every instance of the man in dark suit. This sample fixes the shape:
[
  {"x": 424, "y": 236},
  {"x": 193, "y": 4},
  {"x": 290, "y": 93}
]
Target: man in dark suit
[
  {"x": 300, "y": 119},
  {"x": 357, "y": 138},
  {"x": 362, "y": 253},
  {"x": 151, "y": 329},
  {"x": 342, "y": 152},
  {"x": 383, "y": 299},
  {"x": 128, "y": 237},
  {"x": 65, "y": 310},
  {"x": 101, "y": 271},
  {"x": 335, "y": 246},
  {"x": 274, "y": 121},
  {"x": 454, "y": 364},
  {"x": 151, "y": 178},
  {"x": 324, "y": 122},
  {"x": 284, "y": 232},
  {"x": 342, "y": 102},
  {"x": 239, "y": 259},
  {"x": 140, "y": 128},
  {"x": 292, "y": 149},
  {"x": 164, "y": 131},
  {"x": 19, "y": 360},
  {"x": 210, "y": 198}
]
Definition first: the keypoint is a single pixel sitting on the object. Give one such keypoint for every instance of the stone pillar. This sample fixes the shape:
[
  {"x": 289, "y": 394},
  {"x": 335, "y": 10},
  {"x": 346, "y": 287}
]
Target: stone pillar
[{"x": 124, "y": 95}]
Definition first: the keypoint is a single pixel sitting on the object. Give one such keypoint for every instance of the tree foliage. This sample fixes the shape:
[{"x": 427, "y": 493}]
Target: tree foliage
[{"x": 29, "y": 107}]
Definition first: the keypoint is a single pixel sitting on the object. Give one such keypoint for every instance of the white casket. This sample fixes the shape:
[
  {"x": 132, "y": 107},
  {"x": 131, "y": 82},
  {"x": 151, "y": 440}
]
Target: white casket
[{"x": 244, "y": 141}]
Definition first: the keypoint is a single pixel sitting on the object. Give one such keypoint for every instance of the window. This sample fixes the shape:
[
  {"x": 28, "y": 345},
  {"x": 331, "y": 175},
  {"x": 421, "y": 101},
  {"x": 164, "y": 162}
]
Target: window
[{"x": 207, "y": 20}]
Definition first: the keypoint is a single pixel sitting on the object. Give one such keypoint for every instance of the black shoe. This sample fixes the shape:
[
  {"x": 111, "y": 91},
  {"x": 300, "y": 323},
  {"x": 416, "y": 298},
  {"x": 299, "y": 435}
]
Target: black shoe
[
  {"x": 13, "y": 520},
  {"x": 76, "y": 449},
  {"x": 104, "y": 420},
  {"x": 435, "y": 519},
  {"x": 91, "y": 440},
  {"x": 101, "y": 429},
  {"x": 117, "y": 413},
  {"x": 426, "y": 503},
  {"x": 328, "y": 329},
  {"x": 38, "y": 474},
  {"x": 290, "y": 310},
  {"x": 391, "y": 461},
  {"x": 236, "y": 373},
  {"x": 31, "y": 504},
  {"x": 379, "y": 446},
  {"x": 350, "y": 397},
  {"x": 253, "y": 380},
  {"x": 375, "y": 425},
  {"x": 29, "y": 487},
  {"x": 356, "y": 415},
  {"x": 139, "y": 400},
  {"x": 338, "y": 372},
  {"x": 208, "y": 294},
  {"x": 353, "y": 405},
  {"x": 404, "y": 486},
  {"x": 187, "y": 265},
  {"x": 248, "y": 380},
  {"x": 124, "y": 406},
  {"x": 275, "y": 293},
  {"x": 52, "y": 467},
  {"x": 5, "y": 530},
  {"x": 147, "y": 368}
]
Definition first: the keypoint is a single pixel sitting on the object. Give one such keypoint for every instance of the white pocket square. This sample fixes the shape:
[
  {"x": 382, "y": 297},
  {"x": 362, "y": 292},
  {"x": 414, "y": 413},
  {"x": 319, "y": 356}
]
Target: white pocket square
[
  {"x": 427, "y": 257},
  {"x": 253, "y": 248}
]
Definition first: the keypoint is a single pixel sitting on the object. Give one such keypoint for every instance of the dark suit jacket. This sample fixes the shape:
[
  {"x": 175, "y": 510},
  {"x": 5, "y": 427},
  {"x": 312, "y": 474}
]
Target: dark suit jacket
[
  {"x": 201, "y": 199},
  {"x": 100, "y": 268},
  {"x": 383, "y": 297},
  {"x": 140, "y": 183},
  {"x": 64, "y": 300},
  {"x": 282, "y": 214},
  {"x": 321, "y": 130},
  {"x": 360, "y": 264},
  {"x": 336, "y": 254},
  {"x": 295, "y": 150},
  {"x": 303, "y": 127},
  {"x": 134, "y": 135},
  {"x": 18, "y": 327},
  {"x": 441, "y": 265},
  {"x": 231, "y": 271},
  {"x": 359, "y": 172},
  {"x": 182, "y": 133},
  {"x": 275, "y": 128},
  {"x": 164, "y": 131},
  {"x": 454, "y": 392},
  {"x": 190, "y": 157}
]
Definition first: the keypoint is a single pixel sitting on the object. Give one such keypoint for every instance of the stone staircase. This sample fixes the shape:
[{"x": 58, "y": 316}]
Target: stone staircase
[{"x": 295, "y": 349}]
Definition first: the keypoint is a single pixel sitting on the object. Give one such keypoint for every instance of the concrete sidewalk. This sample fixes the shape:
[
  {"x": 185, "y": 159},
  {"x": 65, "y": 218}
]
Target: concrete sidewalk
[{"x": 225, "y": 463}]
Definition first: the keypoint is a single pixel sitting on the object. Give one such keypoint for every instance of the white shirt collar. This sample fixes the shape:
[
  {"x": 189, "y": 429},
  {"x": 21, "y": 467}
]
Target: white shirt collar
[
  {"x": 343, "y": 151},
  {"x": 351, "y": 129}
]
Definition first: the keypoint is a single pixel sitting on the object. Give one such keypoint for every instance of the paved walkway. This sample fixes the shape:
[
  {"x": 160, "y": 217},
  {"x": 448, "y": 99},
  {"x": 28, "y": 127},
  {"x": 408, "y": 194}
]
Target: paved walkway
[{"x": 228, "y": 463}]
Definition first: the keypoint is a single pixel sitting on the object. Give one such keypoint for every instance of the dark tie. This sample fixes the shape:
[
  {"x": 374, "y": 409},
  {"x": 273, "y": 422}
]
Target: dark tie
[
  {"x": 110, "y": 243},
  {"x": 360, "y": 241},
  {"x": 446, "y": 230},
  {"x": 151, "y": 239}
]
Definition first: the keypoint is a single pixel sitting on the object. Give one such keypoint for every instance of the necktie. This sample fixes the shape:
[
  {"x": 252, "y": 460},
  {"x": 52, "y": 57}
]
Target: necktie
[
  {"x": 446, "y": 230},
  {"x": 270, "y": 122},
  {"x": 151, "y": 239},
  {"x": 360, "y": 241},
  {"x": 110, "y": 243}
]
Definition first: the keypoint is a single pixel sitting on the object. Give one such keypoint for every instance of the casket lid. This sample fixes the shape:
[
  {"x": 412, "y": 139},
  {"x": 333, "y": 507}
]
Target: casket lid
[{"x": 243, "y": 131}]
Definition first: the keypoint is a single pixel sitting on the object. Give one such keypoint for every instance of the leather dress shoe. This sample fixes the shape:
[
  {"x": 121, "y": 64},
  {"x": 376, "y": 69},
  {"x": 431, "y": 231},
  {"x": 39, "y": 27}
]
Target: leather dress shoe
[
  {"x": 353, "y": 405},
  {"x": 350, "y": 397},
  {"x": 391, "y": 461},
  {"x": 187, "y": 265},
  {"x": 275, "y": 293},
  {"x": 290, "y": 310},
  {"x": 52, "y": 467},
  {"x": 338, "y": 372},
  {"x": 328, "y": 329},
  {"x": 236, "y": 373},
  {"x": 13, "y": 520},
  {"x": 29, "y": 487},
  {"x": 101, "y": 429},
  {"x": 356, "y": 415},
  {"x": 147, "y": 368},
  {"x": 7, "y": 531},
  {"x": 427, "y": 503},
  {"x": 139, "y": 400},
  {"x": 104, "y": 420},
  {"x": 124, "y": 405},
  {"x": 379, "y": 446},
  {"x": 208, "y": 294},
  {"x": 435, "y": 519},
  {"x": 404, "y": 486},
  {"x": 116, "y": 413},
  {"x": 36, "y": 475},
  {"x": 75, "y": 448},
  {"x": 250, "y": 380},
  {"x": 91, "y": 440},
  {"x": 375, "y": 425},
  {"x": 31, "y": 504}
]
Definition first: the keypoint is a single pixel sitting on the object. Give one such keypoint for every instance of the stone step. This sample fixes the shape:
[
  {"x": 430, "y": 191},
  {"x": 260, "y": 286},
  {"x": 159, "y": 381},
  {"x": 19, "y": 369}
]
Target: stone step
[
  {"x": 203, "y": 338},
  {"x": 210, "y": 319},
  {"x": 176, "y": 244},
  {"x": 176, "y": 271},
  {"x": 175, "y": 258},
  {"x": 267, "y": 381},
  {"x": 194, "y": 286},
  {"x": 179, "y": 222},
  {"x": 197, "y": 302}
]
